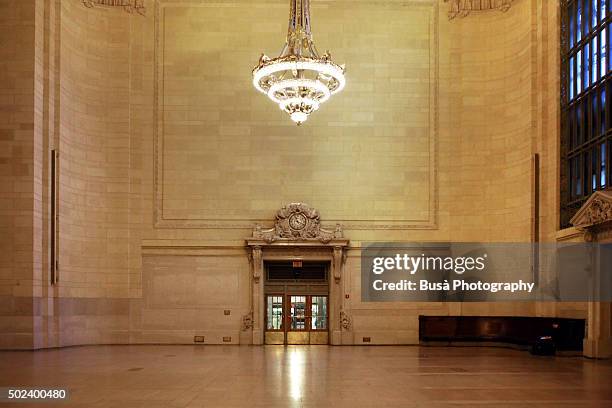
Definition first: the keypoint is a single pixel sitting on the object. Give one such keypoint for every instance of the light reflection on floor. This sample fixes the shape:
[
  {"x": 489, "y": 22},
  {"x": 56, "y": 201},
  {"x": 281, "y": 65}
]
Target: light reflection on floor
[
  {"x": 309, "y": 377},
  {"x": 296, "y": 372}
]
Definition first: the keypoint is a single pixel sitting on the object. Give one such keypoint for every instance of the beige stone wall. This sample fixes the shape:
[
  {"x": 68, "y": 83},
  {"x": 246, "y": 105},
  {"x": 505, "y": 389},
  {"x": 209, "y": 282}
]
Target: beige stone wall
[
  {"x": 494, "y": 76},
  {"x": 95, "y": 151},
  {"x": 94, "y": 185},
  {"x": 66, "y": 87},
  {"x": 226, "y": 156},
  {"x": 492, "y": 67},
  {"x": 169, "y": 156},
  {"x": 17, "y": 187},
  {"x": 188, "y": 294}
]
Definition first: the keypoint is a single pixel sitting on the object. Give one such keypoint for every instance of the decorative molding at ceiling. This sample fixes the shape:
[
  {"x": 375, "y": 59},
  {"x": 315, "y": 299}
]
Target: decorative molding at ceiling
[
  {"x": 462, "y": 8},
  {"x": 130, "y": 6}
]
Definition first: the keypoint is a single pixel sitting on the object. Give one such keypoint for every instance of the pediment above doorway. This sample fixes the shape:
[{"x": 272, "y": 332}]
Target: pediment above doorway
[
  {"x": 296, "y": 233},
  {"x": 597, "y": 210}
]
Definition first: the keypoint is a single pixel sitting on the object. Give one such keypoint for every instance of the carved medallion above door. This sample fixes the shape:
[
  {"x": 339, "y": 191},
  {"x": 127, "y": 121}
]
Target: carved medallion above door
[{"x": 297, "y": 221}]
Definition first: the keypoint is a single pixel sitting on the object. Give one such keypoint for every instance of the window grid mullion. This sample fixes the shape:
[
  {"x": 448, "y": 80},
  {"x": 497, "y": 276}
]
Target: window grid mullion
[
  {"x": 585, "y": 38},
  {"x": 608, "y": 172}
]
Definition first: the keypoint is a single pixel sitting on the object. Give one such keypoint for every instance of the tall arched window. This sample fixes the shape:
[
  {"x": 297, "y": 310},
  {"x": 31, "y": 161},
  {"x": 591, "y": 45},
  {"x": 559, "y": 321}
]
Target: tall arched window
[{"x": 586, "y": 90}]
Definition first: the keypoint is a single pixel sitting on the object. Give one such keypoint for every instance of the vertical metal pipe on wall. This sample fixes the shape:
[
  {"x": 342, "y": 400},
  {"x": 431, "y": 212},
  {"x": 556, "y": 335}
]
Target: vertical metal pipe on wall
[
  {"x": 54, "y": 263},
  {"x": 535, "y": 163}
]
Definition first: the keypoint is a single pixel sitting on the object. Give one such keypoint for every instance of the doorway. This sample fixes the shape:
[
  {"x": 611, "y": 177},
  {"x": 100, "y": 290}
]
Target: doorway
[{"x": 296, "y": 303}]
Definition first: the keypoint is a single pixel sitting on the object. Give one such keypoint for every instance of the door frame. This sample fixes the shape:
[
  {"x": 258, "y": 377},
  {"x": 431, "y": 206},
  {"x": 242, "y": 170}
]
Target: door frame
[{"x": 332, "y": 251}]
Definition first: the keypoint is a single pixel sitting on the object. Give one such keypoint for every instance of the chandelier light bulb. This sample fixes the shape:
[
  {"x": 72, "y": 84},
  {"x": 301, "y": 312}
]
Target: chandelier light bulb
[
  {"x": 299, "y": 117},
  {"x": 299, "y": 80}
]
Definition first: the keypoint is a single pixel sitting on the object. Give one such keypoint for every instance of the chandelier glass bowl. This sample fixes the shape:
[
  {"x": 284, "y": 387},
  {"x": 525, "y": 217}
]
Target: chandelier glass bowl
[{"x": 299, "y": 80}]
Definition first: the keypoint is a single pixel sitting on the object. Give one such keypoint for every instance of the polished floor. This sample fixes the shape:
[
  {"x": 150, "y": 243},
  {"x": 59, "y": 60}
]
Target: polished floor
[{"x": 308, "y": 376}]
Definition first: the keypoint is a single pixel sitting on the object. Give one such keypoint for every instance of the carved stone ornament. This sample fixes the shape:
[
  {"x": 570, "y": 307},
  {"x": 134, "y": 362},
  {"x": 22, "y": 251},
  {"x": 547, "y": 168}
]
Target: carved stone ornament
[
  {"x": 130, "y": 6},
  {"x": 345, "y": 320},
  {"x": 596, "y": 210},
  {"x": 247, "y": 322},
  {"x": 297, "y": 221},
  {"x": 338, "y": 262},
  {"x": 256, "y": 259},
  {"x": 462, "y": 8}
]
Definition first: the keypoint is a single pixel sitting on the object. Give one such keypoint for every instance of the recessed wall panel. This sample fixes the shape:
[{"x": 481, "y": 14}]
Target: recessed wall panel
[{"x": 226, "y": 156}]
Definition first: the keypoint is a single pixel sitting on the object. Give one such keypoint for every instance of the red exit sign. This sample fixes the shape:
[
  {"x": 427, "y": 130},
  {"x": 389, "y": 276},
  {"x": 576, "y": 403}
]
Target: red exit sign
[{"x": 297, "y": 264}]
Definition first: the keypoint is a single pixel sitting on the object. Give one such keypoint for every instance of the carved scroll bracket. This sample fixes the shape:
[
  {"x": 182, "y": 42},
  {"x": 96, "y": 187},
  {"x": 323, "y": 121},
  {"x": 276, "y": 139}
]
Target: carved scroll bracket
[
  {"x": 339, "y": 260},
  {"x": 462, "y": 8},
  {"x": 256, "y": 259}
]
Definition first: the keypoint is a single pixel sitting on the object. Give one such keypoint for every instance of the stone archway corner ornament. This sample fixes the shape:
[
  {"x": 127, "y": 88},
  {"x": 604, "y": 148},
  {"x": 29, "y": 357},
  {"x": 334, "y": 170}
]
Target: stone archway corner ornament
[
  {"x": 297, "y": 221},
  {"x": 595, "y": 211},
  {"x": 462, "y": 8}
]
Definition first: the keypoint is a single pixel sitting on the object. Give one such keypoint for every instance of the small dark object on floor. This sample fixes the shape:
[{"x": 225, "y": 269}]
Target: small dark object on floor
[{"x": 543, "y": 346}]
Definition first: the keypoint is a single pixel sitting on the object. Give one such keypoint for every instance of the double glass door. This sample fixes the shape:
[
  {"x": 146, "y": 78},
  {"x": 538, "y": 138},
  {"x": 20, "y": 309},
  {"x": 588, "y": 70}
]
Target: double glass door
[{"x": 296, "y": 319}]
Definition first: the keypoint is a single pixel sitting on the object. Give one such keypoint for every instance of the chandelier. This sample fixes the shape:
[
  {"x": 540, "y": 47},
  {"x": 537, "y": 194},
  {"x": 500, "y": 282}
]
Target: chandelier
[{"x": 299, "y": 80}]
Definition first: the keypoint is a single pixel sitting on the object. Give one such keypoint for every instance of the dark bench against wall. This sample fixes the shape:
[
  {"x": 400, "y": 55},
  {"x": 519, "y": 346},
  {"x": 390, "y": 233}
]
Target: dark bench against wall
[{"x": 523, "y": 331}]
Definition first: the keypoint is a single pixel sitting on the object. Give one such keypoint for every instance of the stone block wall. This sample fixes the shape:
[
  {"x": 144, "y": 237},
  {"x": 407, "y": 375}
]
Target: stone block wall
[
  {"x": 18, "y": 257},
  {"x": 168, "y": 156}
]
